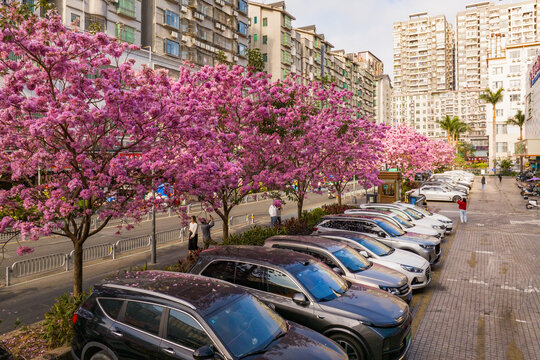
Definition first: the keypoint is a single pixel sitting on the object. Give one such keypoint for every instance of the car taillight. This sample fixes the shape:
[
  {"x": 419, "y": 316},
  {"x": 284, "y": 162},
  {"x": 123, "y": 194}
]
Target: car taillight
[
  {"x": 74, "y": 318},
  {"x": 314, "y": 228}
]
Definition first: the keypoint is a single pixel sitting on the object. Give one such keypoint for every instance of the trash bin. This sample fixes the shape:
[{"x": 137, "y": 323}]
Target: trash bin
[
  {"x": 371, "y": 198},
  {"x": 412, "y": 200}
]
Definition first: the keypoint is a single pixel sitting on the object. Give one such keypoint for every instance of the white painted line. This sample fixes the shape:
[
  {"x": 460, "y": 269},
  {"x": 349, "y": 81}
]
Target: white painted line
[
  {"x": 521, "y": 321},
  {"x": 513, "y": 288},
  {"x": 485, "y": 252},
  {"x": 479, "y": 282},
  {"x": 453, "y": 280}
]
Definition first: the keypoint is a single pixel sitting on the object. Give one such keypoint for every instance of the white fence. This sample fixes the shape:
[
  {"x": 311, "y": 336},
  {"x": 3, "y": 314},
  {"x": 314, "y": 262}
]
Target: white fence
[{"x": 54, "y": 262}]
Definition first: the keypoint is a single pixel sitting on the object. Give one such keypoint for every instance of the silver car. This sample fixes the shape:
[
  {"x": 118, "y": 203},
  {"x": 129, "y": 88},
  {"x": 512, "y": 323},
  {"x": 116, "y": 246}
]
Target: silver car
[
  {"x": 428, "y": 247},
  {"x": 438, "y": 193},
  {"x": 423, "y": 213}
]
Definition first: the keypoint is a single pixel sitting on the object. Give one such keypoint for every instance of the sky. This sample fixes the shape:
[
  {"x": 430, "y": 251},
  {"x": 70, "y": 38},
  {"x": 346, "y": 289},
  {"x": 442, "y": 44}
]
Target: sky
[{"x": 359, "y": 25}]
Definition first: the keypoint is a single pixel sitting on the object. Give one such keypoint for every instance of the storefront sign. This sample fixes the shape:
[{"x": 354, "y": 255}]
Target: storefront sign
[{"x": 534, "y": 74}]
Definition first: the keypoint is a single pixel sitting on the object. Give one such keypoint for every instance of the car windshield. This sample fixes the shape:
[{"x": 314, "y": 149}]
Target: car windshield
[
  {"x": 422, "y": 211},
  {"x": 375, "y": 246},
  {"x": 246, "y": 325},
  {"x": 321, "y": 282},
  {"x": 402, "y": 221},
  {"x": 352, "y": 260},
  {"x": 414, "y": 214},
  {"x": 390, "y": 229}
]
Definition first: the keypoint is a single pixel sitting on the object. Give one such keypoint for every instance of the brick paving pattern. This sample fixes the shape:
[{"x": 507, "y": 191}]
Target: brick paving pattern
[{"x": 485, "y": 303}]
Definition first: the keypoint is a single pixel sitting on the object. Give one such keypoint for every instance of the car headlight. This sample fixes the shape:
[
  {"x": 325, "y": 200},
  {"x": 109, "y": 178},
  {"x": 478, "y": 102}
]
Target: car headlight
[
  {"x": 411, "y": 268},
  {"x": 391, "y": 290},
  {"x": 429, "y": 247}
]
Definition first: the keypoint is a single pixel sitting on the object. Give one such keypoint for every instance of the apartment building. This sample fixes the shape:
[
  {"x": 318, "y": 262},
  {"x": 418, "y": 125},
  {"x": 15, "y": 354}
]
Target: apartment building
[
  {"x": 484, "y": 30},
  {"x": 507, "y": 69},
  {"x": 199, "y": 31},
  {"x": 530, "y": 145},
  {"x": 423, "y": 54},
  {"x": 315, "y": 50},
  {"x": 271, "y": 32},
  {"x": 374, "y": 64},
  {"x": 382, "y": 99}
]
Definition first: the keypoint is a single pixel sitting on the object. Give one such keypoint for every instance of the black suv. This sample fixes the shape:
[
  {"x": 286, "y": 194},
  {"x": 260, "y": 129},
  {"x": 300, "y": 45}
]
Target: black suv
[
  {"x": 367, "y": 322},
  {"x": 165, "y": 316}
]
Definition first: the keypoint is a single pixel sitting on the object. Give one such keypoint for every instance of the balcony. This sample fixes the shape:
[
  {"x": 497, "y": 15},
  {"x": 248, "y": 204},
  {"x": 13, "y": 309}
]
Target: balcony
[{"x": 126, "y": 8}]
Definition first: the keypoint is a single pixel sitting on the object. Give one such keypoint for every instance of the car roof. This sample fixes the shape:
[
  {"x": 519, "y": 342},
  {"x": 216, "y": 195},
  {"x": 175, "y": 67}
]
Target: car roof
[
  {"x": 347, "y": 234},
  {"x": 260, "y": 254},
  {"x": 362, "y": 210},
  {"x": 194, "y": 291},
  {"x": 353, "y": 217},
  {"x": 315, "y": 241}
]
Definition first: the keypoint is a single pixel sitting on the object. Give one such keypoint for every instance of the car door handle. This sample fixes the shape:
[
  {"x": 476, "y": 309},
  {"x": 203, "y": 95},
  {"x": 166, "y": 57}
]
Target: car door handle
[
  {"x": 168, "y": 351},
  {"x": 320, "y": 316},
  {"x": 117, "y": 333}
]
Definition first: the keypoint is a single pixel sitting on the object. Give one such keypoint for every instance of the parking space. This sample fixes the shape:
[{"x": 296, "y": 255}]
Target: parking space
[{"x": 484, "y": 302}]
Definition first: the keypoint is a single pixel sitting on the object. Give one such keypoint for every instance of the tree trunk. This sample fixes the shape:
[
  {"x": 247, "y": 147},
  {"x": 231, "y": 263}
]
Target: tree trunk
[
  {"x": 225, "y": 218},
  {"x": 493, "y": 141},
  {"x": 338, "y": 197},
  {"x": 77, "y": 267},
  {"x": 300, "y": 205}
]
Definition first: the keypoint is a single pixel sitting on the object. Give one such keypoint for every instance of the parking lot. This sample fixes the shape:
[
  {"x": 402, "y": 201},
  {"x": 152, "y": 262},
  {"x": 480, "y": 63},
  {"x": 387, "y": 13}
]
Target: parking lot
[{"x": 484, "y": 302}]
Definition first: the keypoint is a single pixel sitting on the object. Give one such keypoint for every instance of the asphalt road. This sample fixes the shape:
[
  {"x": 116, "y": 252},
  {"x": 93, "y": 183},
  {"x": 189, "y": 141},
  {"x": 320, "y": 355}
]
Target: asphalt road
[{"x": 29, "y": 300}]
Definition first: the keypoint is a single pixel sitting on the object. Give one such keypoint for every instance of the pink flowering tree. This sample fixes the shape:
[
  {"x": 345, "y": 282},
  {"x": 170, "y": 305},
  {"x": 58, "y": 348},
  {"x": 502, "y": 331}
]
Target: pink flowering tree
[
  {"x": 357, "y": 154},
  {"x": 444, "y": 154},
  {"x": 237, "y": 145},
  {"x": 72, "y": 118}
]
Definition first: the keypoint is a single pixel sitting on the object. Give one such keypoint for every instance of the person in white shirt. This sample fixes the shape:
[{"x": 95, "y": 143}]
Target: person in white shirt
[
  {"x": 193, "y": 235},
  {"x": 273, "y": 211}
]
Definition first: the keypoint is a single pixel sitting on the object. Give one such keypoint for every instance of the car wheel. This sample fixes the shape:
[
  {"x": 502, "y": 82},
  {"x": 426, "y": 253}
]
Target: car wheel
[
  {"x": 353, "y": 349},
  {"x": 101, "y": 355},
  {"x": 456, "y": 198}
]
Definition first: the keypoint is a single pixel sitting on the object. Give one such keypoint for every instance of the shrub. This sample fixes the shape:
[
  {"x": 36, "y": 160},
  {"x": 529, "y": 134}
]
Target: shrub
[
  {"x": 334, "y": 209},
  {"x": 183, "y": 265},
  {"x": 254, "y": 236},
  {"x": 313, "y": 217},
  {"x": 298, "y": 227},
  {"x": 58, "y": 326}
]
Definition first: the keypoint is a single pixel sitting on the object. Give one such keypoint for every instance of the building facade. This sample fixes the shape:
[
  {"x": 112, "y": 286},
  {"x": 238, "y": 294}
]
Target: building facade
[
  {"x": 374, "y": 64},
  {"x": 382, "y": 99},
  {"x": 423, "y": 55},
  {"x": 530, "y": 145}
]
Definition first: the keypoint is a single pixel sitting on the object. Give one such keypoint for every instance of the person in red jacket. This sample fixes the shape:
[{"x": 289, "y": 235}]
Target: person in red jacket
[{"x": 462, "y": 210}]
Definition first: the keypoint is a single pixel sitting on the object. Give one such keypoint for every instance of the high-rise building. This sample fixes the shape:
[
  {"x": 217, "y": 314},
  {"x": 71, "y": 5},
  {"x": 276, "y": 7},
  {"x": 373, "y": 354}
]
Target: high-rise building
[
  {"x": 382, "y": 101},
  {"x": 423, "y": 55},
  {"x": 374, "y": 64},
  {"x": 315, "y": 50},
  {"x": 529, "y": 147},
  {"x": 484, "y": 30}
]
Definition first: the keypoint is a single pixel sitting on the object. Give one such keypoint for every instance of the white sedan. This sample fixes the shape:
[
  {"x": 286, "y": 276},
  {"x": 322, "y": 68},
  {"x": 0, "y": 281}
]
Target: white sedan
[
  {"x": 438, "y": 193},
  {"x": 415, "y": 267},
  {"x": 427, "y": 214}
]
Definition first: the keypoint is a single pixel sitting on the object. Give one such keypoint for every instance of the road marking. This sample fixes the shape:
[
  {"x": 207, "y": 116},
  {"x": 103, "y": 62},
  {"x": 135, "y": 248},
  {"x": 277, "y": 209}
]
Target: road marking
[
  {"x": 479, "y": 282},
  {"x": 472, "y": 261},
  {"x": 513, "y": 352},
  {"x": 453, "y": 280},
  {"x": 485, "y": 252},
  {"x": 481, "y": 339},
  {"x": 521, "y": 321},
  {"x": 527, "y": 222}
]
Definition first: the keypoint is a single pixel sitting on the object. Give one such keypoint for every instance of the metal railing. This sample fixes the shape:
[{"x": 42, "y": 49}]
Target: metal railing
[{"x": 54, "y": 262}]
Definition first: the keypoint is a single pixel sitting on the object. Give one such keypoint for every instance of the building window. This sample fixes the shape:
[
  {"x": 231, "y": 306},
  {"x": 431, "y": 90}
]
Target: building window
[
  {"x": 284, "y": 74},
  {"x": 171, "y": 47},
  {"x": 254, "y": 19},
  {"x": 502, "y": 147},
  {"x": 515, "y": 69},
  {"x": 265, "y": 21},
  {"x": 497, "y": 70},
  {"x": 286, "y": 57},
  {"x": 95, "y": 23},
  {"x": 242, "y": 49},
  {"x": 126, "y": 7},
  {"x": 125, "y": 33},
  {"x": 265, "y": 40},
  {"x": 514, "y": 54},
  {"x": 497, "y": 85},
  {"x": 286, "y": 21},
  {"x": 75, "y": 20},
  {"x": 242, "y": 28},
  {"x": 242, "y": 6},
  {"x": 515, "y": 83},
  {"x": 499, "y": 112},
  {"x": 265, "y": 57},
  {"x": 172, "y": 19},
  {"x": 514, "y": 97},
  {"x": 502, "y": 129},
  {"x": 254, "y": 38},
  {"x": 531, "y": 52}
]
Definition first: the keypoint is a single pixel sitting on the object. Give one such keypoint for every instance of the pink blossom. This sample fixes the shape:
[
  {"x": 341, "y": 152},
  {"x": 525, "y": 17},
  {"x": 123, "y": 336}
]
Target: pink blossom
[{"x": 23, "y": 250}]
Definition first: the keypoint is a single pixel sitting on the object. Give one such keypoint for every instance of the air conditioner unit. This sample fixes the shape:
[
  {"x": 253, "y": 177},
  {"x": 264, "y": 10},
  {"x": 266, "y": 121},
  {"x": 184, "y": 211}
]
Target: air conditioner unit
[
  {"x": 183, "y": 9},
  {"x": 235, "y": 58},
  {"x": 174, "y": 34}
]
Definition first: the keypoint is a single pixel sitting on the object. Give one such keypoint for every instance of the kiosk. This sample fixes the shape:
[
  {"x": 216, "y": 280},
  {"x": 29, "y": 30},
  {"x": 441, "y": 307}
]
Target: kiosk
[{"x": 390, "y": 189}]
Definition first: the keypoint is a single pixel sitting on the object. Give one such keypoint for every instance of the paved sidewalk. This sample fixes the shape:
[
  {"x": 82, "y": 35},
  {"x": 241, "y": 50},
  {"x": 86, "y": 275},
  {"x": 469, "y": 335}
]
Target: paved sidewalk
[{"x": 485, "y": 303}]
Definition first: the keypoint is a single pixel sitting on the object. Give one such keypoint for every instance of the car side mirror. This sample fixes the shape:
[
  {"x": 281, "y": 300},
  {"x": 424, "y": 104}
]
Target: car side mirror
[
  {"x": 337, "y": 270},
  {"x": 364, "y": 253},
  {"x": 381, "y": 234},
  {"x": 300, "y": 299},
  {"x": 204, "y": 352}
]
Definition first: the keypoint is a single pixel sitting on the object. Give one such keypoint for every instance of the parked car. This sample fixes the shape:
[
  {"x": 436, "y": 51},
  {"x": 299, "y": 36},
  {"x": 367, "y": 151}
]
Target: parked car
[
  {"x": 415, "y": 267},
  {"x": 346, "y": 262},
  {"x": 438, "y": 193},
  {"x": 411, "y": 215},
  {"x": 368, "y": 323},
  {"x": 420, "y": 211},
  {"x": 403, "y": 223},
  {"x": 450, "y": 178},
  {"x": 448, "y": 185},
  {"x": 163, "y": 315},
  {"x": 426, "y": 246}
]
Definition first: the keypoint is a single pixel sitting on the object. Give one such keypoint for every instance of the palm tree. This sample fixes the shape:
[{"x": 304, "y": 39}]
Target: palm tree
[
  {"x": 447, "y": 124},
  {"x": 492, "y": 98},
  {"x": 519, "y": 120},
  {"x": 459, "y": 128}
]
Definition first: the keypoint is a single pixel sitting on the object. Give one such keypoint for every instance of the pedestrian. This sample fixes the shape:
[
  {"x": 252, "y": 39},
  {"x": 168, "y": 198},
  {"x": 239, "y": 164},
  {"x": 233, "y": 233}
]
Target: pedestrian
[
  {"x": 483, "y": 182},
  {"x": 462, "y": 210},
  {"x": 193, "y": 236},
  {"x": 278, "y": 213},
  {"x": 206, "y": 236},
  {"x": 272, "y": 211},
  {"x": 500, "y": 178}
]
